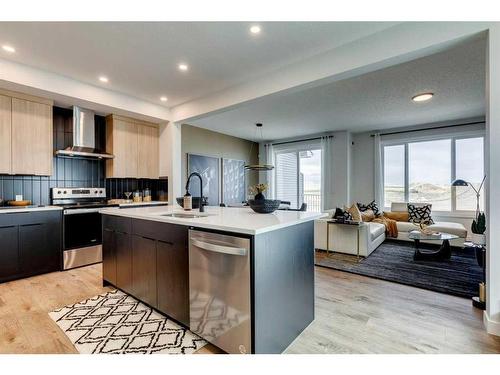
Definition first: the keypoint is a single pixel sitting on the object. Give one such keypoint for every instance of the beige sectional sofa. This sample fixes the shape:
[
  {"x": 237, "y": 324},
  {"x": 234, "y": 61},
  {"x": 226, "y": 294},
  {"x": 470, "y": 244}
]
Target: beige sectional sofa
[{"x": 343, "y": 238}]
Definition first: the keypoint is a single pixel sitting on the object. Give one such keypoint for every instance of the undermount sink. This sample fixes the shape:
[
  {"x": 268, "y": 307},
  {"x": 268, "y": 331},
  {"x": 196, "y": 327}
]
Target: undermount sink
[{"x": 186, "y": 215}]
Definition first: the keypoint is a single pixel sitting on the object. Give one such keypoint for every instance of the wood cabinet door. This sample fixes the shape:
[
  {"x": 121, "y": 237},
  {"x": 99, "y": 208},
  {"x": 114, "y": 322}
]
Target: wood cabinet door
[
  {"x": 172, "y": 269},
  {"x": 148, "y": 151},
  {"x": 123, "y": 251},
  {"x": 9, "y": 253},
  {"x": 5, "y": 134},
  {"x": 144, "y": 269},
  {"x": 109, "y": 256},
  {"x": 122, "y": 143},
  {"x": 32, "y": 149}
]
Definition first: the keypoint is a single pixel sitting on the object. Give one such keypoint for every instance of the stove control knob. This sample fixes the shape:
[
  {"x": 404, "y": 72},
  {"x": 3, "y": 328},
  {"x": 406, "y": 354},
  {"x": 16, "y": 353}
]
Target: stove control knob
[
  {"x": 64, "y": 192},
  {"x": 95, "y": 192},
  {"x": 100, "y": 191}
]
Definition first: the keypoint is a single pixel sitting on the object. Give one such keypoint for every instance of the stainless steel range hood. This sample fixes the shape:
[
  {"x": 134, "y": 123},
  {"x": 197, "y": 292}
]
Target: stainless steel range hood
[{"x": 83, "y": 136}]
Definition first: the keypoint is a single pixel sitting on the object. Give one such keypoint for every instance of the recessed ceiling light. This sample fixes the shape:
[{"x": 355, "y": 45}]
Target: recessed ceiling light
[
  {"x": 255, "y": 29},
  {"x": 163, "y": 98},
  {"x": 422, "y": 97},
  {"x": 8, "y": 48},
  {"x": 183, "y": 67},
  {"x": 103, "y": 79}
]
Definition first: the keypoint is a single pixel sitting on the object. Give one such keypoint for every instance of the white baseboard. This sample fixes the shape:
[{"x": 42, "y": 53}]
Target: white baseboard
[{"x": 492, "y": 327}]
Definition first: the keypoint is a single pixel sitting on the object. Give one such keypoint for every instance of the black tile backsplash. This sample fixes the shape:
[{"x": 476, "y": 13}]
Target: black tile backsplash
[
  {"x": 116, "y": 187},
  {"x": 73, "y": 172}
]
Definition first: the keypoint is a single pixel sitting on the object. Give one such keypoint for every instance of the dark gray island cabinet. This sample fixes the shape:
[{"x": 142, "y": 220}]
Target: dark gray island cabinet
[
  {"x": 149, "y": 259},
  {"x": 30, "y": 243}
]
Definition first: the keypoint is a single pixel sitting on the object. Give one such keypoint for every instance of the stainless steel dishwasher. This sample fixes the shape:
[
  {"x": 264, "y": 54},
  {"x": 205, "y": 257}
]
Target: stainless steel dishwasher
[{"x": 219, "y": 285}]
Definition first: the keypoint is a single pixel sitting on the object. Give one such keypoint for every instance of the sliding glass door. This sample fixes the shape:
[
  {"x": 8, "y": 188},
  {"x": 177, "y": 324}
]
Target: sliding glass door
[{"x": 298, "y": 177}]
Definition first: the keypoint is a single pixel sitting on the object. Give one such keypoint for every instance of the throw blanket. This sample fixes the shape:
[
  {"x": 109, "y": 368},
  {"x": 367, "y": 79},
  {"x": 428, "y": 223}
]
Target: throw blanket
[{"x": 390, "y": 225}]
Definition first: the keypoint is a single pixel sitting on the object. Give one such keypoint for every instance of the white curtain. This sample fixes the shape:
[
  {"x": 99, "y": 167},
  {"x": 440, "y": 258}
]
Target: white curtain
[
  {"x": 269, "y": 175},
  {"x": 327, "y": 198},
  {"x": 378, "y": 178}
]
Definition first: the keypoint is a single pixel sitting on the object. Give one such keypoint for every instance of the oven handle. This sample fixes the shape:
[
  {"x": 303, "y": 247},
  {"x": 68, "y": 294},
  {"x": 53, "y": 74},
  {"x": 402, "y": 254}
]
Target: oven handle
[{"x": 77, "y": 211}]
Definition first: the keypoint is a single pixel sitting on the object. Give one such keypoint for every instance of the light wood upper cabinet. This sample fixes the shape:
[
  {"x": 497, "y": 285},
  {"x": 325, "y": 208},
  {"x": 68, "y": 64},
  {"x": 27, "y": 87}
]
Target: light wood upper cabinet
[
  {"x": 135, "y": 146},
  {"x": 32, "y": 149},
  {"x": 5, "y": 134},
  {"x": 148, "y": 151}
]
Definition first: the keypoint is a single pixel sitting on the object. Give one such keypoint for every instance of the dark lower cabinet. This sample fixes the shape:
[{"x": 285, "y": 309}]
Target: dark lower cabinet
[
  {"x": 148, "y": 260},
  {"x": 109, "y": 256},
  {"x": 30, "y": 243},
  {"x": 124, "y": 261},
  {"x": 9, "y": 253},
  {"x": 144, "y": 269},
  {"x": 173, "y": 278}
]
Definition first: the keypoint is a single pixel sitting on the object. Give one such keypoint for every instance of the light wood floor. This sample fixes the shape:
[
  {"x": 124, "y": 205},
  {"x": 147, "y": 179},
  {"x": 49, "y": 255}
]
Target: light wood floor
[{"x": 354, "y": 314}]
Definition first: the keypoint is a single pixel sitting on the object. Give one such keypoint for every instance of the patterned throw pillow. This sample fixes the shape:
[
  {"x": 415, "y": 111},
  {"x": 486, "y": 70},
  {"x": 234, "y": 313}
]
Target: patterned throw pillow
[
  {"x": 370, "y": 206},
  {"x": 420, "y": 214},
  {"x": 347, "y": 215}
]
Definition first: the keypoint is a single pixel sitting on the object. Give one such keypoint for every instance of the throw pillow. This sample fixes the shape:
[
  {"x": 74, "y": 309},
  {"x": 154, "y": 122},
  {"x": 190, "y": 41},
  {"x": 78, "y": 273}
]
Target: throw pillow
[
  {"x": 397, "y": 215},
  {"x": 342, "y": 214},
  {"x": 420, "y": 214},
  {"x": 370, "y": 206},
  {"x": 354, "y": 211},
  {"x": 367, "y": 215}
]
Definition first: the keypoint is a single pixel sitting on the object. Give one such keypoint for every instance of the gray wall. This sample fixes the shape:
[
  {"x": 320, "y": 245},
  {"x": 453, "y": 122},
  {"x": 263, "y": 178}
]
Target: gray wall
[{"x": 206, "y": 142}]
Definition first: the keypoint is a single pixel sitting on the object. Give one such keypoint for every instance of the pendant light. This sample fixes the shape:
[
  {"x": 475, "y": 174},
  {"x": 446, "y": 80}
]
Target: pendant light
[{"x": 258, "y": 167}]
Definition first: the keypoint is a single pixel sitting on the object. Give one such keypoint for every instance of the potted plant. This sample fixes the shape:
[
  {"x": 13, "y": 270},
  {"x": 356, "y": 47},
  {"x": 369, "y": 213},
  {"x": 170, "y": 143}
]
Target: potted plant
[
  {"x": 258, "y": 190},
  {"x": 478, "y": 228}
]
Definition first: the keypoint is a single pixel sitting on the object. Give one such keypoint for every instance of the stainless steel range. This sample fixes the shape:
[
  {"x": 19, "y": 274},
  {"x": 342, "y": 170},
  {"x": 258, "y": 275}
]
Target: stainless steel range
[{"x": 82, "y": 235}]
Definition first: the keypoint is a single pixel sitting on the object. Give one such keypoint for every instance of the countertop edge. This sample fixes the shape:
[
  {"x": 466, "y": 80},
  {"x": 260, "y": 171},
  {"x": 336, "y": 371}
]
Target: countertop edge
[
  {"x": 30, "y": 209},
  {"x": 130, "y": 214}
]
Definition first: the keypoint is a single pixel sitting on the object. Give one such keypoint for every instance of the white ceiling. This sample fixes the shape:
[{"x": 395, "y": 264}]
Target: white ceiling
[
  {"x": 141, "y": 59},
  {"x": 376, "y": 100}
]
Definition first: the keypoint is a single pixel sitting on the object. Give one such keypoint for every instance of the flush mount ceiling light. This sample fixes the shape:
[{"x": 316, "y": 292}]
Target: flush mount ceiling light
[
  {"x": 423, "y": 97},
  {"x": 103, "y": 79},
  {"x": 163, "y": 98},
  {"x": 183, "y": 67},
  {"x": 255, "y": 29},
  {"x": 8, "y": 48},
  {"x": 258, "y": 167}
]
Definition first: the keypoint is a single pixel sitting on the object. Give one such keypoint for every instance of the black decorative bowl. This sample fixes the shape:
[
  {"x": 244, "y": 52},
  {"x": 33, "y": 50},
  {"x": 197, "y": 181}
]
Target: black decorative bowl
[
  {"x": 195, "y": 201},
  {"x": 264, "y": 206}
]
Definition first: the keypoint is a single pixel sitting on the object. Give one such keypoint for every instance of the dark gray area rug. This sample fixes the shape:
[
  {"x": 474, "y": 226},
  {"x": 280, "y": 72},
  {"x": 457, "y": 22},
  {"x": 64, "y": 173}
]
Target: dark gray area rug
[{"x": 393, "y": 261}]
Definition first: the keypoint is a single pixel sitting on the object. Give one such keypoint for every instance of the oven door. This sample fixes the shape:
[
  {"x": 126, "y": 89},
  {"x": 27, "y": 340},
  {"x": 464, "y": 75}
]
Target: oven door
[{"x": 82, "y": 228}]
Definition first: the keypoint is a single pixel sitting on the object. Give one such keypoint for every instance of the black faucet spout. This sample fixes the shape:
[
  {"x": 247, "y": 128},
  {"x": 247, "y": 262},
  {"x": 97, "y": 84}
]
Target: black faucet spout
[{"x": 196, "y": 174}]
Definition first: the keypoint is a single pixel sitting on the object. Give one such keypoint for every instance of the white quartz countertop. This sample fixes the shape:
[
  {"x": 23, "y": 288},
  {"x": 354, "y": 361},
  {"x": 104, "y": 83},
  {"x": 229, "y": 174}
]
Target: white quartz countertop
[
  {"x": 230, "y": 219},
  {"x": 16, "y": 209}
]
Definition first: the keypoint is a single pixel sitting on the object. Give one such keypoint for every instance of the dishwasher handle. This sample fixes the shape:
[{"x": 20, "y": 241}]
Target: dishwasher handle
[{"x": 219, "y": 248}]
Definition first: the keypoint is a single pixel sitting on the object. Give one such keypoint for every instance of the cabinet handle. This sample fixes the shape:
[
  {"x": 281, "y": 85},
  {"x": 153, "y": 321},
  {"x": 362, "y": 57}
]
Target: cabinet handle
[{"x": 167, "y": 242}]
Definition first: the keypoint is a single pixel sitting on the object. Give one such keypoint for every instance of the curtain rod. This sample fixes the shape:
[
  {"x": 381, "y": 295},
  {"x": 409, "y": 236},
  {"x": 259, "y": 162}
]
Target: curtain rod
[
  {"x": 436, "y": 127},
  {"x": 300, "y": 140}
]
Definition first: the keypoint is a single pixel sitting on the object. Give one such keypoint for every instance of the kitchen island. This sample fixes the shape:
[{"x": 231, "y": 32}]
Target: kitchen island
[{"x": 242, "y": 280}]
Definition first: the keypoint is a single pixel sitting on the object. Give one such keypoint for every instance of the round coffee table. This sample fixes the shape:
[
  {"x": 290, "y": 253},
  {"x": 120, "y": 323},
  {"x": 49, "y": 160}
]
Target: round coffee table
[{"x": 444, "y": 252}]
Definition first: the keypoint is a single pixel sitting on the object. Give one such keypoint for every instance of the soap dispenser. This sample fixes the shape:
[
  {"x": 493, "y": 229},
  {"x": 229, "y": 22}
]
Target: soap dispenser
[{"x": 187, "y": 204}]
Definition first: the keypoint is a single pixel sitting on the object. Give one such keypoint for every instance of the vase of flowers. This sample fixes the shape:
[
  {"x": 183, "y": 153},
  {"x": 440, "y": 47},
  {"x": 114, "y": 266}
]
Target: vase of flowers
[{"x": 257, "y": 190}]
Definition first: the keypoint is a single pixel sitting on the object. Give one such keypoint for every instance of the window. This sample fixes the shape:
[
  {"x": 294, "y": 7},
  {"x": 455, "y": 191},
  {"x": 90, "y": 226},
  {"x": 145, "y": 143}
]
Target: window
[
  {"x": 394, "y": 174},
  {"x": 469, "y": 167},
  {"x": 422, "y": 171},
  {"x": 298, "y": 177},
  {"x": 429, "y": 170}
]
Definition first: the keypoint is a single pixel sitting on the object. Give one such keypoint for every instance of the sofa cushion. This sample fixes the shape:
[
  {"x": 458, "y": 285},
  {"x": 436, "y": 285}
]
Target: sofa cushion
[
  {"x": 376, "y": 230},
  {"x": 397, "y": 215},
  {"x": 440, "y": 226},
  {"x": 452, "y": 228},
  {"x": 405, "y": 226}
]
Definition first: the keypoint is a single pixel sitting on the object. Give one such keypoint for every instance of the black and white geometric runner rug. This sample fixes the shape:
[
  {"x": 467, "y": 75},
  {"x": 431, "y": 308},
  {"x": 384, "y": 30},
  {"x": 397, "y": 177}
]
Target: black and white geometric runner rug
[{"x": 116, "y": 323}]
